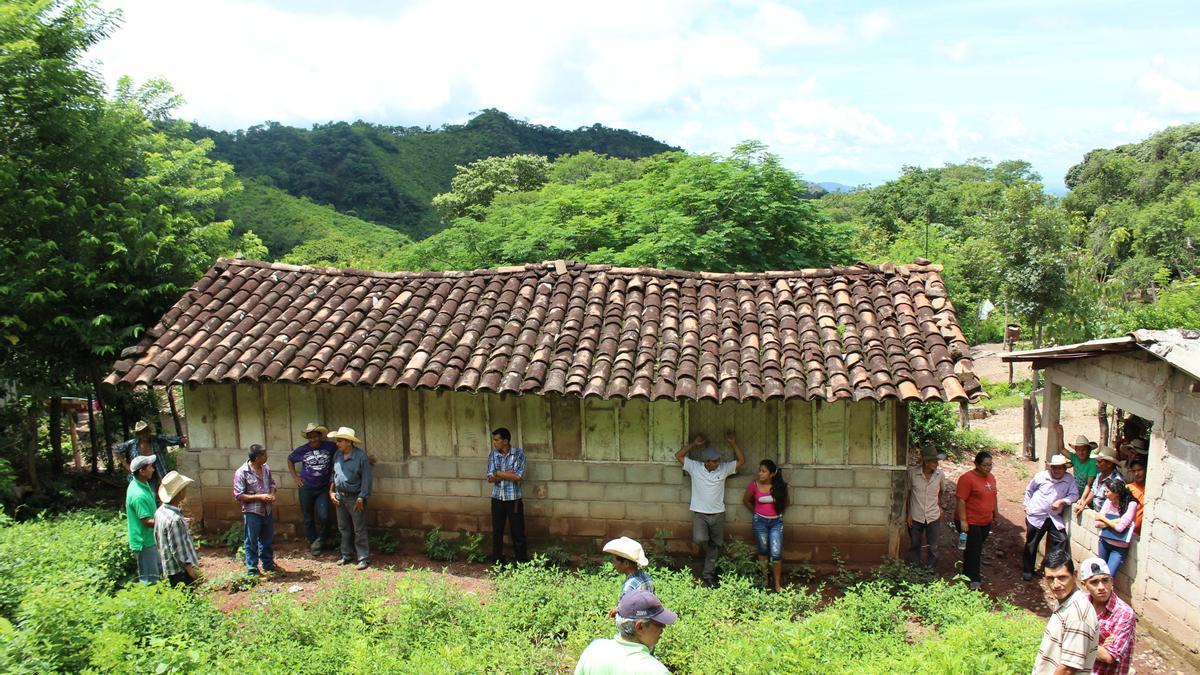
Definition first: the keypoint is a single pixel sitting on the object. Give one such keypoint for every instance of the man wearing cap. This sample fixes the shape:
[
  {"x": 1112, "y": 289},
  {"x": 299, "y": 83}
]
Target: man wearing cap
[
  {"x": 315, "y": 458},
  {"x": 1070, "y": 641},
  {"x": 924, "y": 509},
  {"x": 139, "y": 511},
  {"x": 349, "y": 490},
  {"x": 1046, "y": 499},
  {"x": 1083, "y": 465},
  {"x": 708, "y": 496},
  {"x": 147, "y": 444},
  {"x": 640, "y": 619},
  {"x": 254, "y": 487},
  {"x": 181, "y": 564},
  {"x": 1115, "y": 619},
  {"x": 628, "y": 559},
  {"x": 1106, "y": 467}
]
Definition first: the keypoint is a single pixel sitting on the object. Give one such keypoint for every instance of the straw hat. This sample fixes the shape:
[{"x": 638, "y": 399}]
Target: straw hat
[
  {"x": 140, "y": 427},
  {"x": 313, "y": 426},
  {"x": 1109, "y": 454},
  {"x": 624, "y": 547},
  {"x": 172, "y": 484},
  {"x": 346, "y": 433},
  {"x": 1082, "y": 440},
  {"x": 1059, "y": 460}
]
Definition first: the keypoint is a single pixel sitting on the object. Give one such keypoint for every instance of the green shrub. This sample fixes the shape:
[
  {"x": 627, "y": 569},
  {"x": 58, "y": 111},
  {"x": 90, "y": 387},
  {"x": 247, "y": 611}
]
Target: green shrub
[
  {"x": 384, "y": 542},
  {"x": 471, "y": 546},
  {"x": 158, "y": 629},
  {"x": 738, "y": 558},
  {"x": 438, "y": 547},
  {"x": 234, "y": 540}
]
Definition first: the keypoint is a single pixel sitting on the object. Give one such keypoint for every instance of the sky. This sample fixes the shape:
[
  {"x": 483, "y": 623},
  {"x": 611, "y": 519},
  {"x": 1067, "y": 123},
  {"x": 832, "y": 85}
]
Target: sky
[{"x": 847, "y": 92}]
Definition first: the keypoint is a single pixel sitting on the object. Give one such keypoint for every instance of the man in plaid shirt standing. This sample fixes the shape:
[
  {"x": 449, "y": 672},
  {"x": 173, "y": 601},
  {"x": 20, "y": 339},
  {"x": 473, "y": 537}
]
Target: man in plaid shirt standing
[
  {"x": 1114, "y": 616},
  {"x": 505, "y": 471}
]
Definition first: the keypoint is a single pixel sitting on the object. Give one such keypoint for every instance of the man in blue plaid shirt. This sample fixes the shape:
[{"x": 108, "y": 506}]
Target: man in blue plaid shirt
[{"x": 506, "y": 470}]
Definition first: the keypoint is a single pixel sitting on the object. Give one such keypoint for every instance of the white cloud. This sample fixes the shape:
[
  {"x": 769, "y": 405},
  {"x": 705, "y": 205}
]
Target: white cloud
[
  {"x": 1142, "y": 123},
  {"x": 956, "y": 52},
  {"x": 818, "y": 125},
  {"x": 777, "y": 25},
  {"x": 873, "y": 24},
  {"x": 1176, "y": 88},
  {"x": 951, "y": 134},
  {"x": 1007, "y": 126}
]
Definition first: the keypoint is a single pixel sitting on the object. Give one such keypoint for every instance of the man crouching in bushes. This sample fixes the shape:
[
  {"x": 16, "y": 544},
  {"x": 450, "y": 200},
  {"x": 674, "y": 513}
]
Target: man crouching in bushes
[
  {"x": 181, "y": 564},
  {"x": 641, "y": 619}
]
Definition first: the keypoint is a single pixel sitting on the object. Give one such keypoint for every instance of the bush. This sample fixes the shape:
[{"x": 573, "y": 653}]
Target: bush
[{"x": 438, "y": 547}]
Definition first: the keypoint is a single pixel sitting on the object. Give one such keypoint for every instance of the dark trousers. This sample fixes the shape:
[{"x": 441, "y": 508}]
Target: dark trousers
[
  {"x": 181, "y": 579},
  {"x": 973, "y": 556},
  {"x": 1033, "y": 539},
  {"x": 923, "y": 536},
  {"x": 315, "y": 506},
  {"x": 512, "y": 512}
]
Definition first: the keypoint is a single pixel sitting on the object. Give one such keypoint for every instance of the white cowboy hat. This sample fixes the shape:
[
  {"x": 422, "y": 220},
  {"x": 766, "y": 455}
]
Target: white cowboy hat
[
  {"x": 140, "y": 427},
  {"x": 313, "y": 426},
  {"x": 1059, "y": 460},
  {"x": 1081, "y": 441},
  {"x": 624, "y": 547},
  {"x": 172, "y": 484},
  {"x": 346, "y": 433},
  {"x": 1109, "y": 454}
]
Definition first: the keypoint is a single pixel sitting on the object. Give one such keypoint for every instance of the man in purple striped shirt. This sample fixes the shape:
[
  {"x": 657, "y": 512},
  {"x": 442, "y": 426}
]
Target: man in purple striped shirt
[
  {"x": 254, "y": 488},
  {"x": 1046, "y": 499}
]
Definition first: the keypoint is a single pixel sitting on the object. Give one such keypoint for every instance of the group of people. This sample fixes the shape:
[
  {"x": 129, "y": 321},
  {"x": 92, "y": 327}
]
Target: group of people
[
  {"x": 159, "y": 534},
  {"x": 1092, "y": 630}
]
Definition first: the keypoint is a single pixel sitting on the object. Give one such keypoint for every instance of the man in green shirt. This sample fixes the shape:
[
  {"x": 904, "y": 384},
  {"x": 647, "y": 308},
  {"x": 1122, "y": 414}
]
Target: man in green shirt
[
  {"x": 1083, "y": 465},
  {"x": 139, "y": 510},
  {"x": 641, "y": 619}
]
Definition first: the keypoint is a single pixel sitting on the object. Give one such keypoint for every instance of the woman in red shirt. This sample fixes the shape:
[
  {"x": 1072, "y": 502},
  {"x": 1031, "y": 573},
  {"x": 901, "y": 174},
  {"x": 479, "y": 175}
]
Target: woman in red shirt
[{"x": 976, "y": 511}]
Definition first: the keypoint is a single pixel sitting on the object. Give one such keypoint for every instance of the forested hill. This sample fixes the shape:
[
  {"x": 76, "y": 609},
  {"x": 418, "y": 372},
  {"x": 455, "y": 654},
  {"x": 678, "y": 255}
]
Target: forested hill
[{"x": 389, "y": 175}]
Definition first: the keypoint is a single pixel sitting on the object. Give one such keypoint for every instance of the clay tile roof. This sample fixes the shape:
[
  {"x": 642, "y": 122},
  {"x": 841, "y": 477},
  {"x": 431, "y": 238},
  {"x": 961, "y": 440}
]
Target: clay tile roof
[{"x": 848, "y": 333}]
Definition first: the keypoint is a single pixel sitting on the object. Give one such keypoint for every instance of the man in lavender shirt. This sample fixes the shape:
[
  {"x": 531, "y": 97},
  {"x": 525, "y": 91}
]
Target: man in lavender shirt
[
  {"x": 254, "y": 488},
  {"x": 1047, "y": 497}
]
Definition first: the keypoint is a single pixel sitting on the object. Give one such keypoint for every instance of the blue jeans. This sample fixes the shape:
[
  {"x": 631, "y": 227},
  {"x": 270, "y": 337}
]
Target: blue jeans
[
  {"x": 149, "y": 565},
  {"x": 260, "y": 533},
  {"x": 314, "y": 504},
  {"x": 768, "y": 534},
  {"x": 1113, "y": 555}
]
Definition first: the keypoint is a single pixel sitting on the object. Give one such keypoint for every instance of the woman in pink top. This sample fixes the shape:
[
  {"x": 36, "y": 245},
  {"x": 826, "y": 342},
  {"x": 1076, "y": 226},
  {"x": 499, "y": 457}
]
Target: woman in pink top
[
  {"x": 1116, "y": 517},
  {"x": 767, "y": 497}
]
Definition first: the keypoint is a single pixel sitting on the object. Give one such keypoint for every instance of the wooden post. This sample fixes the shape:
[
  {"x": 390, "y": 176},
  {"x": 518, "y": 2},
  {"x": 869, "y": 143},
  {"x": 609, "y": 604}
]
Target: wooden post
[
  {"x": 55, "y": 428},
  {"x": 1102, "y": 418},
  {"x": 1050, "y": 404},
  {"x": 94, "y": 455},
  {"x": 1027, "y": 435},
  {"x": 174, "y": 410},
  {"x": 73, "y": 421},
  {"x": 964, "y": 414}
]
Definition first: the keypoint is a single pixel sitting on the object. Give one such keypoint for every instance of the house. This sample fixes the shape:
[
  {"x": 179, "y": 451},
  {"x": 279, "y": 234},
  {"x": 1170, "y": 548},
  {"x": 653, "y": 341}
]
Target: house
[
  {"x": 600, "y": 372},
  {"x": 1155, "y": 375}
]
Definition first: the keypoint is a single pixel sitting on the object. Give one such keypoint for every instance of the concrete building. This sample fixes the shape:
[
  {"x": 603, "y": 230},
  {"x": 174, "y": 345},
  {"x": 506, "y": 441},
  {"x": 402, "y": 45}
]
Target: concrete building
[
  {"x": 1156, "y": 376},
  {"x": 601, "y": 373}
]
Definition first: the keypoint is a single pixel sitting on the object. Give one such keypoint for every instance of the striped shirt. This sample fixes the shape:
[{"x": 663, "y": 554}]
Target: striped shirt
[
  {"x": 174, "y": 540},
  {"x": 513, "y": 461},
  {"x": 247, "y": 482},
  {"x": 1071, "y": 637},
  {"x": 1117, "y": 620},
  {"x": 638, "y": 581}
]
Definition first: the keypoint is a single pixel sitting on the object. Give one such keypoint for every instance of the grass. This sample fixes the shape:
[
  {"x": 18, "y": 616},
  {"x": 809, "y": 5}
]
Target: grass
[{"x": 1001, "y": 396}]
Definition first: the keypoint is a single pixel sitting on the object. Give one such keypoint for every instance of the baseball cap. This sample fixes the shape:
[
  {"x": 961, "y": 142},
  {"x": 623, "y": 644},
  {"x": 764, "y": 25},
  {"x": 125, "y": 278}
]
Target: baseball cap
[
  {"x": 140, "y": 461},
  {"x": 709, "y": 454},
  {"x": 1093, "y": 567},
  {"x": 644, "y": 605}
]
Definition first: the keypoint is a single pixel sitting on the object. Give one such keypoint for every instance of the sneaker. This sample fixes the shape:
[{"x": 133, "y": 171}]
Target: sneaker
[
  {"x": 345, "y": 561},
  {"x": 315, "y": 548},
  {"x": 363, "y": 564},
  {"x": 274, "y": 569},
  {"x": 252, "y": 573}
]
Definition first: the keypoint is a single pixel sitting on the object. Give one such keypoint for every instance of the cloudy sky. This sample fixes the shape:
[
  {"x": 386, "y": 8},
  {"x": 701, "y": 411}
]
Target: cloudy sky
[{"x": 843, "y": 91}]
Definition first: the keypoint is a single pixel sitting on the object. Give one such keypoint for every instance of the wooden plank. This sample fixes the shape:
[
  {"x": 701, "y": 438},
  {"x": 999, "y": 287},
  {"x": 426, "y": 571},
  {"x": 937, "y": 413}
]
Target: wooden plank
[
  {"x": 382, "y": 413},
  {"x": 502, "y": 411},
  {"x": 884, "y": 440},
  {"x": 757, "y": 429},
  {"x": 712, "y": 420},
  {"x": 282, "y": 435},
  {"x": 343, "y": 407},
  {"x": 225, "y": 431},
  {"x": 249, "y": 406},
  {"x": 199, "y": 415},
  {"x": 416, "y": 423},
  {"x": 634, "y": 430},
  {"x": 566, "y": 428},
  {"x": 305, "y": 406},
  {"x": 829, "y": 433},
  {"x": 472, "y": 438},
  {"x": 600, "y": 440},
  {"x": 860, "y": 447},
  {"x": 439, "y": 423},
  {"x": 799, "y": 416},
  {"x": 534, "y": 415},
  {"x": 666, "y": 430}
]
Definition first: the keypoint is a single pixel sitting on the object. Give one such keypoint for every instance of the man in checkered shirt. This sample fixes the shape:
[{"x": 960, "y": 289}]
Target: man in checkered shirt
[
  {"x": 505, "y": 471},
  {"x": 1115, "y": 619},
  {"x": 1070, "y": 641}
]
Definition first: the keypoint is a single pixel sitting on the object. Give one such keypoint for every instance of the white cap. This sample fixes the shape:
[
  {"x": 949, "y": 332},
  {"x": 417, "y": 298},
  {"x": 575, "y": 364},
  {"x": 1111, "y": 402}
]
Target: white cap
[{"x": 1093, "y": 567}]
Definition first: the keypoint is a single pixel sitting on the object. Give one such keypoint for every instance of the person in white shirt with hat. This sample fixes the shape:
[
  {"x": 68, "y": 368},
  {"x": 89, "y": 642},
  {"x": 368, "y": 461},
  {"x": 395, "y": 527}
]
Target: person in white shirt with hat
[
  {"x": 1047, "y": 498},
  {"x": 349, "y": 491}
]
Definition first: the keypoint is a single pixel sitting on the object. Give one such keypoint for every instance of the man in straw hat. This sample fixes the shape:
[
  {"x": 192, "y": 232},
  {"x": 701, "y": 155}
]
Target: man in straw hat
[
  {"x": 349, "y": 491},
  {"x": 139, "y": 511},
  {"x": 628, "y": 559},
  {"x": 181, "y": 563},
  {"x": 924, "y": 510},
  {"x": 1083, "y": 465},
  {"x": 315, "y": 458},
  {"x": 1107, "y": 466},
  {"x": 146, "y": 443},
  {"x": 640, "y": 620},
  {"x": 1046, "y": 499}
]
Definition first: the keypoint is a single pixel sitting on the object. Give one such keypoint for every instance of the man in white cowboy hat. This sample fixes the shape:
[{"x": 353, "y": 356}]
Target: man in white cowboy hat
[
  {"x": 640, "y": 620},
  {"x": 146, "y": 443},
  {"x": 628, "y": 559},
  {"x": 1107, "y": 466},
  {"x": 315, "y": 458},
  {"x": 708, "y": 496},
  {"x": 181, "y": 563},
  {"x": 139, "y": 511},
  {"x": 1083, "y": 465},
  {"x": 1046, "y": 500},
  {"x": 349, "y": 490}
]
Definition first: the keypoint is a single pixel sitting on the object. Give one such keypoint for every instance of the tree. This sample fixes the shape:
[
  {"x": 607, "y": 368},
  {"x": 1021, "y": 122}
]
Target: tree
[{"x": 475, "y": 186}]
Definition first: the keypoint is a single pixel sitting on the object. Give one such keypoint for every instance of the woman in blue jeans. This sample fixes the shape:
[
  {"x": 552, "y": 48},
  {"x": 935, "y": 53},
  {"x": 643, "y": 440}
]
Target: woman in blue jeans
[
  {"x": 1116, "y": 524},
  {"x": 767, "y": 497}
]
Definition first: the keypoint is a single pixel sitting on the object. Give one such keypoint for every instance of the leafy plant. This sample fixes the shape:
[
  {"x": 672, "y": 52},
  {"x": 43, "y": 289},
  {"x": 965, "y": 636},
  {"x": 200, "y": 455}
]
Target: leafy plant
[
  {"x": 471, "y": 547},
  {"x": 738, "y": 558},
  {"x": 438, "y": 547},
  {"x": 234, "y": 539},
  {"x": 842, "y": 576},
  {"x": 384, "y": 542}
]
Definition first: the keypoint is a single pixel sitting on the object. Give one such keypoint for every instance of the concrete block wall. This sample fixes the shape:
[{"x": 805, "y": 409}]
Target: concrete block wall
[
  {"x": 1085, "y": 543},
  {"x": 582, "y": 502}
]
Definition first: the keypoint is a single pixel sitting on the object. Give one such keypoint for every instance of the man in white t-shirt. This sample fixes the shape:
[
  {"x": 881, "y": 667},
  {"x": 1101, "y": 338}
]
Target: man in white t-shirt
[{"x": 708, "y": 496}]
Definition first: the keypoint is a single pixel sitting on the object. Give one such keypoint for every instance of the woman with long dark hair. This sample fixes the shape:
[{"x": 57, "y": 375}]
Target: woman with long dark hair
[
  {"x": 767, "y": 498},
  {"x": 1115, "y": 523}
]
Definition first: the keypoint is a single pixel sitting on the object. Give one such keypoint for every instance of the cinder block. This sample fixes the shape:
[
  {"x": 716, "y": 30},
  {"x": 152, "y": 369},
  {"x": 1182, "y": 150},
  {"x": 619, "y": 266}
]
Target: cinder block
[
  {"x": 606, "y": 473},
  {"x": 868, "y": 478},
  {"x": 661, "y": 494},
  {"x": 800, "y": 477},
  {"x": 643, "y": 473},
  {"x": 210, "y": 478},
  {"x": 569, "y": 509},
  {"x": 606, "y": 510},
  {"x": 587, "y": 527},
  {"x": 586, "y": 491},
  {"x": 462, "y": 487},
  {"x": 868, "y": 516},
  {"x": 427, "y": 486},
  {"x": 880, "y": 497},
  {"x": 439, "y": 468},
  {"x": 851, "y": 497},
  {"x": 622, "y": 493},
  {"x": 535, "y": 471},
  {"x": 831, "y": 516},
  {"x": 812, "y": 497},
  {"x": 835, "y": 477},
  {"x": 558, "y": 490},
  {"x": 213, "y": 459},
  {"x": 569, "y": 470},
  {"x": 672, "y": 474}
]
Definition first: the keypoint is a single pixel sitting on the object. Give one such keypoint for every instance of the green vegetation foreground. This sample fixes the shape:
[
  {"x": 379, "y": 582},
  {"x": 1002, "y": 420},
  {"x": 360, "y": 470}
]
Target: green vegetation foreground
[{"x": 67, "y": 605}]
